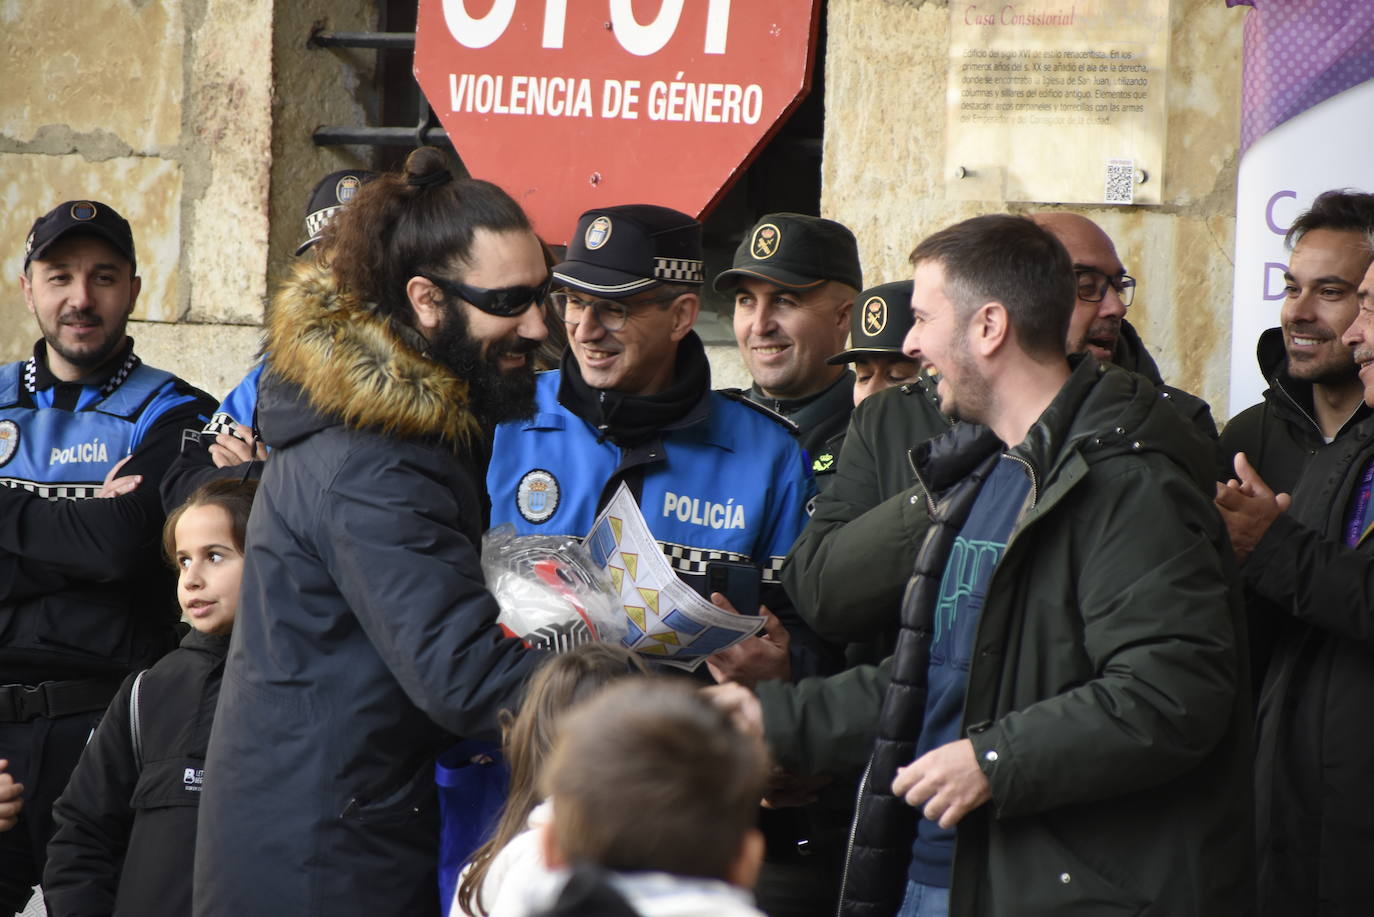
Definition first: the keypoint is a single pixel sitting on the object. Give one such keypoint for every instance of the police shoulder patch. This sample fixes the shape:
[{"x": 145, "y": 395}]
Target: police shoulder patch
[
  {"x": 9, "y": 440},
  {"x": 537, "y": 496},
  {"x": 740, "y": 395}
]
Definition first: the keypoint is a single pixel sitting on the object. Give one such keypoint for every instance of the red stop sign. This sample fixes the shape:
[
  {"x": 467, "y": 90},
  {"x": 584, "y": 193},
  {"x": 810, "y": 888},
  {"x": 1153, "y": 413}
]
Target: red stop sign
[{"x": 570, "y": 106}]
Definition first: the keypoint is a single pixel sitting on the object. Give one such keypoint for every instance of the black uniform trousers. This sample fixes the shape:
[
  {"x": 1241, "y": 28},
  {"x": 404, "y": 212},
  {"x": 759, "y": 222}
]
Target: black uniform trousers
[{"x": 42, "y": 754}]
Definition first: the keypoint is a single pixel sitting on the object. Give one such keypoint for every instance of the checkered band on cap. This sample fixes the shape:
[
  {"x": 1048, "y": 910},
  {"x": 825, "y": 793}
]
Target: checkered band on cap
[
  {"x": 679, "y": 270},
  {"x": 316, "y": 222}
]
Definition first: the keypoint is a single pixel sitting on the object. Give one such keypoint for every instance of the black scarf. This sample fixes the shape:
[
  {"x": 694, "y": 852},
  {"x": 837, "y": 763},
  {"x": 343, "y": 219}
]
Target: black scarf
[{"x": 632, "y": 420}]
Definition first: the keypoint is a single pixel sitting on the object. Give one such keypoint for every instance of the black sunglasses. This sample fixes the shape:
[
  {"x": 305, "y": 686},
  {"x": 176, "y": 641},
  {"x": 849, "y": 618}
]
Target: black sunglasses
[{"x": 507, "y": 302}]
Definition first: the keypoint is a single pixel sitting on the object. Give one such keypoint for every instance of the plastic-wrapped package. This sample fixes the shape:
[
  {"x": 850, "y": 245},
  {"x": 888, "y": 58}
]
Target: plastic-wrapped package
[{"x": 551, "y": 593}]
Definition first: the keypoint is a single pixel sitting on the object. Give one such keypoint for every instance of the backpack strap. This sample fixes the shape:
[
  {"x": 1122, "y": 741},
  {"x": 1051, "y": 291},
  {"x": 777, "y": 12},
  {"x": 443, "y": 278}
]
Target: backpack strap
[{"x": 135, "y": 728}]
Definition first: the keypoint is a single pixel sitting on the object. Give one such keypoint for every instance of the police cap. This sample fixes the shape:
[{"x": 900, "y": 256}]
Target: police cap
[{"x": 618, "y": 251}]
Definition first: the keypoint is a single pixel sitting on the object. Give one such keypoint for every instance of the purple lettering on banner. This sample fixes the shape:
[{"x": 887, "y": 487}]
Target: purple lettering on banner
[
  {"x": 1269, "y": 212},
  {"x": 1269, "y": 268}
]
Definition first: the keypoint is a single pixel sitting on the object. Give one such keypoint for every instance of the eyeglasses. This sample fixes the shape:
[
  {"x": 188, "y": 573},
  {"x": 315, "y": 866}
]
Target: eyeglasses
[
  {"x": 506, "y": 302},
  {"x": 1092, "y": 285},
  {"x": 610, "y": 314}
]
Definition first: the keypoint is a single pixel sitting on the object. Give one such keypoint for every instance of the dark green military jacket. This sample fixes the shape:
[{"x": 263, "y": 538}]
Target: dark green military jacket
[{"x": 846, "y": 580}]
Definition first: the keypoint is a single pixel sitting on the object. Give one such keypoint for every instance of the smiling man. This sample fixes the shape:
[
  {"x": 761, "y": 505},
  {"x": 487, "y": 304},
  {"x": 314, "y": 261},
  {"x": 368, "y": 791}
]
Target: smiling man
[
  {"x": 1312, "y": 558},
  {"x": 1063, "y": 726},
  {"x": 84, "y": 595},
  {"x": 794, "y": 278},
  {"x": 633, "y": 402},
  {"x": 1314, "y": 394}
]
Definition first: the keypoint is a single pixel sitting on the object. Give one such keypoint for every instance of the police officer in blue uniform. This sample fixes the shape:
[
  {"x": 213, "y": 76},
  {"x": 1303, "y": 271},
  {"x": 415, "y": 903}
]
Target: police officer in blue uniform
[
  {"x": 230, "y": 446},
  {"x": 717, "y": 477},
  {"x": 84, "y": 595}
]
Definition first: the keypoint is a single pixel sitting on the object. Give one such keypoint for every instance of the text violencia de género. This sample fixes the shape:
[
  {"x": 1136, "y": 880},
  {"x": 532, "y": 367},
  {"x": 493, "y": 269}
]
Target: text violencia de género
[{"x": 580, "y": 97}]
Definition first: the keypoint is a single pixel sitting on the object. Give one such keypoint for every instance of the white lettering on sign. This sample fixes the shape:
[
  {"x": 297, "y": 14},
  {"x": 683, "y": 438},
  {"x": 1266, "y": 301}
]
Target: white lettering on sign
[
  {"x": 471, "y": 32},
  {"x": 556, "y": 96},
  {"x": 640, "y": 40},
  {"x": 571, "y": 97}
]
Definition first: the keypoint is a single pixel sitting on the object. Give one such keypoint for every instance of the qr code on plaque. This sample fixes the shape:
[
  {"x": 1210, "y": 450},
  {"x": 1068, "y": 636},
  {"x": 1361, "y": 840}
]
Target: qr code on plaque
[{"x": 1120, "y": 181}]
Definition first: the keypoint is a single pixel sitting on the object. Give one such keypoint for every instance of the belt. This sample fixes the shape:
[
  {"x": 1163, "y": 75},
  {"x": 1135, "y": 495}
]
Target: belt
[{"x": 21, "y": 703}]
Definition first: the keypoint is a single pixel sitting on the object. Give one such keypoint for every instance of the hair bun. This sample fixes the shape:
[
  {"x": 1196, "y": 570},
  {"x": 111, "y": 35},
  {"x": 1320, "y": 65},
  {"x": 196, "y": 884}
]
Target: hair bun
[{"x": 426, "y": 167}]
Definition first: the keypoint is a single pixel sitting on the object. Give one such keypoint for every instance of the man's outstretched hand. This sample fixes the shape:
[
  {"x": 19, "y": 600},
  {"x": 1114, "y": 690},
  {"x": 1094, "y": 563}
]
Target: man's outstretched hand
[{"x": 1248, "y": 507}]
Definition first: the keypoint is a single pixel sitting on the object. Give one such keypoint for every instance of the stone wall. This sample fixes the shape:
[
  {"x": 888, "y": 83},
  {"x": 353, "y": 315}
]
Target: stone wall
[
  {"x": 883, "y": 169},
  {"x": 193, "y": 117}
]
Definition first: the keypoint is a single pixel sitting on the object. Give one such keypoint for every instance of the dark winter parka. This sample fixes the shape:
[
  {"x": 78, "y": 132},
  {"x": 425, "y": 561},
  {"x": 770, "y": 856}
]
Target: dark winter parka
[
  {"x": 365, "y": 637},
  {"x": 1314, "y": 761},
  {"x": 1105, "y": 701},
  {"x": 126, "y": 823}
]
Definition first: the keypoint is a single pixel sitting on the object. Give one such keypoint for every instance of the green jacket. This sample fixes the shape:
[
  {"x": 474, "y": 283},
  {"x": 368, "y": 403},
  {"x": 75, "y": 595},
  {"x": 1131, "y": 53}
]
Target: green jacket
[
  {"x": 1107, "y": 699},
  {"x": 831, "y": 573}
]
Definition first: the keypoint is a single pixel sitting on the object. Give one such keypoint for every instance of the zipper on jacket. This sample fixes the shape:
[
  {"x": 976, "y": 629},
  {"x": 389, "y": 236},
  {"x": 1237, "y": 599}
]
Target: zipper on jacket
[
  {"x": 1035, "y": 482},
  {"x": 1301, "y": 410},
  {"x": 930, "y": 502},
  {"x": 853, "y": 831}
]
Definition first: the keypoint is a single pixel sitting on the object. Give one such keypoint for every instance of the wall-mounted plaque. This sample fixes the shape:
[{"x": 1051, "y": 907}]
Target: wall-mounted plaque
[{"x": 1057, "y": 100}]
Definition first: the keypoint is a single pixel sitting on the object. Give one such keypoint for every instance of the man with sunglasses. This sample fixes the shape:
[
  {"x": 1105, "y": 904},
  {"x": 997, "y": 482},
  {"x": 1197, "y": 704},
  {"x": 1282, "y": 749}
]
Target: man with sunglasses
[{"x": 716, "y": 477}]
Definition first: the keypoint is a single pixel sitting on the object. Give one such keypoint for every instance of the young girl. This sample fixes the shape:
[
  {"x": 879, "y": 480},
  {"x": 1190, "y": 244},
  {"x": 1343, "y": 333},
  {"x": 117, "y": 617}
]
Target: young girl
[
  {"x": 126, "y": 823},
  {"x": 511, "y": 857}
]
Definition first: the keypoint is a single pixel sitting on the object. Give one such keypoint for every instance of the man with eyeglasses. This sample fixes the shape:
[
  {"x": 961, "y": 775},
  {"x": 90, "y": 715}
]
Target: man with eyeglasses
[
  {"x": 849, "y": 568},
  {"x": 1099, "y": 325},
  {"x": 716, "y": 477}
]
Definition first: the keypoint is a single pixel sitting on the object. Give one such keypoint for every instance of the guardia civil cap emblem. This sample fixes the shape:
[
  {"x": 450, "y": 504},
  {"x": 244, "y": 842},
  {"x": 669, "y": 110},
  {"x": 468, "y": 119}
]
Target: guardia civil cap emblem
[
  {"x": 765, "y": 241},
  {"x": 875, "y": 316}
]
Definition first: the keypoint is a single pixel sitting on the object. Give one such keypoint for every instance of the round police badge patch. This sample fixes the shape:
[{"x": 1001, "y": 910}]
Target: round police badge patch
[
  {"x": 537, "y": 496},
  {"x": 346, "y": 188},
  {"x": 764, "y": 244},
  {"x": 598, "y": 233},
  {"x": 875, "y": 316},
  {"x": 9, "y": 440}
]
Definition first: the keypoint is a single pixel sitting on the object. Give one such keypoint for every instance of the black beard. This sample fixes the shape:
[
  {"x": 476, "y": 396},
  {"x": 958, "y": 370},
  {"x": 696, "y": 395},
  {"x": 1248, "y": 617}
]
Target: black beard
[{"x": 496, "y": 396}]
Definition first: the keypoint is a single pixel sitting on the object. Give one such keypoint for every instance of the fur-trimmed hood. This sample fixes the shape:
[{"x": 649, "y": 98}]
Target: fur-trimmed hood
[{"x": 360, "y": 369}]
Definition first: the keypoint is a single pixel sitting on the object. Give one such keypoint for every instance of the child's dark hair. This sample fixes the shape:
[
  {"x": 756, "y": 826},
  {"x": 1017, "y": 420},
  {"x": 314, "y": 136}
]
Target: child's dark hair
[
  {"x": 649, "y": 776},
  {"x": 560, "y": 683},
  {"x": 235, "y": 497}
]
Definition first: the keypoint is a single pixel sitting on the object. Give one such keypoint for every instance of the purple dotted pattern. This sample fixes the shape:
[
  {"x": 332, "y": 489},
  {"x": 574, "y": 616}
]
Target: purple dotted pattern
[{"x": 1299, "y": 53}]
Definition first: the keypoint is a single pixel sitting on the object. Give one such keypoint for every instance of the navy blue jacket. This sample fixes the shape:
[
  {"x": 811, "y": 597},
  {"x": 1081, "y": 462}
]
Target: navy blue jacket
[{"x": 84, "y": 591}]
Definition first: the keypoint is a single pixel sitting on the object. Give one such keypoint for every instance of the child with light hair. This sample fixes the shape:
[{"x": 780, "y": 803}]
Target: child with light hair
[{"x": 655, "y": 798}]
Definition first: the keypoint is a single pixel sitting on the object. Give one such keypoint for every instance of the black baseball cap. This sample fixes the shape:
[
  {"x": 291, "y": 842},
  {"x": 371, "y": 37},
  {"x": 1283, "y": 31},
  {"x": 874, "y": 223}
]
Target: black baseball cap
[
  {"x": 879, "y": 323},
  {"x": 87, "y": 218},
  {"x": 619, "y": 251},
  {"x": 332, "y": 192},
  {"x": 796, "y": 252}
]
